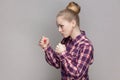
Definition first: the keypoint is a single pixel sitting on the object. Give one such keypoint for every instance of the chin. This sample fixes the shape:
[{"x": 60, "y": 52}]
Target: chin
[{"x": 65, "y": 36}]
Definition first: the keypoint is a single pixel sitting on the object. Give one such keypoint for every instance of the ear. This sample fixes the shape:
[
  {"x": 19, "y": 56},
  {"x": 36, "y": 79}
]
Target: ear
[{"x": 73, "y": 23}]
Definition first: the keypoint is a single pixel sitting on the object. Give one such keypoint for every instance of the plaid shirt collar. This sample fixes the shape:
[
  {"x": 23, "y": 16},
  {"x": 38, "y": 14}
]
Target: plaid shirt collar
[{"x": 79, "y": 37}]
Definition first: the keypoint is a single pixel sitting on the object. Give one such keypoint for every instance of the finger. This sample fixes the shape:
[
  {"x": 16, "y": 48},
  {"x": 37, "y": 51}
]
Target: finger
[
  {"x": 40, "y": 42},
  {"x": 45, "y": 40},
  {"x": 56, "y": 49},
  {"x": 59, "y": 44},
  {"x": 42, "y": 39}
]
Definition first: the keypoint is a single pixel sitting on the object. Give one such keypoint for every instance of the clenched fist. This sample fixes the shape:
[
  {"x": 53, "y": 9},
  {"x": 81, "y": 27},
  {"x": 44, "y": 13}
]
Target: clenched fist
[
  {"x": 60, "y": 48},
  {"x": 44, "y": 42}
]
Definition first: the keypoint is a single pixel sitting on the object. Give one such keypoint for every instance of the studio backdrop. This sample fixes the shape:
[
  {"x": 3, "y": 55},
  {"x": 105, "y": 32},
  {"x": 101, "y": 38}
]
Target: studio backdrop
[{"x": 23, "y": 22}]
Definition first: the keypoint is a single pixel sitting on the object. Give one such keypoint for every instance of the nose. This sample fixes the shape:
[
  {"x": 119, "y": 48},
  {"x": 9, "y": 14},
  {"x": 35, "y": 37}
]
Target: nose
[{"x": 59, "y": 29}]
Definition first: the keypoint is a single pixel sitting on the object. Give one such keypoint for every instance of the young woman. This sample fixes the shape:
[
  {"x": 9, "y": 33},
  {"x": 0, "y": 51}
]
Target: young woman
[{"x": 75, "y": 52}]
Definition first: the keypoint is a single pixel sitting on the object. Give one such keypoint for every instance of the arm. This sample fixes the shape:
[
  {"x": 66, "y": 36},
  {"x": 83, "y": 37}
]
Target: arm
[
  {"x": 51, "y": 57},
  {"x": 76, "y": 66},
  {"x": 50, "y": 54}
]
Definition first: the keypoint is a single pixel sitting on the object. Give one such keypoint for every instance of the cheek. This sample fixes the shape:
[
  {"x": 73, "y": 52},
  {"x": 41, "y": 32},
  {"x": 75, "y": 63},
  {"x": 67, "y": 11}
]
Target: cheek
[
  {"x": 67, "y": 27},
  {"x": 68, "y": 30}
]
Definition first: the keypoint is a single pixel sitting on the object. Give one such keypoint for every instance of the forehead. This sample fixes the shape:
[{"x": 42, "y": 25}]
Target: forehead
[{"x": 61, "y": 19}]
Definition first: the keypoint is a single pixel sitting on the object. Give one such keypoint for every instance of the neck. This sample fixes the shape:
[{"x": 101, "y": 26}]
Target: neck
[{"x": 75, "y": 32}]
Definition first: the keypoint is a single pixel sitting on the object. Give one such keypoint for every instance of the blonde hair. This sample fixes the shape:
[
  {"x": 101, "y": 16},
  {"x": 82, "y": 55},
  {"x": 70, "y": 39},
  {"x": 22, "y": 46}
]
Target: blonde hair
[{"x": 71, "y": 12}]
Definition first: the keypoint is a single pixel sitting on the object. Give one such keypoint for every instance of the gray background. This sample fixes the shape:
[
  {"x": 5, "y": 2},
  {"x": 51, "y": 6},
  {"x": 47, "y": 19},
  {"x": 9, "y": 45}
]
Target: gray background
[{"x": 23, "y": 22}]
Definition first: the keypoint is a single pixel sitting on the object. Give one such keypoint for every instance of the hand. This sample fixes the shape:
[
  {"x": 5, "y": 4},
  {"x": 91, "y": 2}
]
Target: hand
[
  {"x": 44, "y": 42},
  {"x": 60, "y": 48}
]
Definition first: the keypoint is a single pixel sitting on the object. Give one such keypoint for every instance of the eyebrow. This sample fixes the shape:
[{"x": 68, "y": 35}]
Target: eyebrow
[{"x": 60, "y": 25}]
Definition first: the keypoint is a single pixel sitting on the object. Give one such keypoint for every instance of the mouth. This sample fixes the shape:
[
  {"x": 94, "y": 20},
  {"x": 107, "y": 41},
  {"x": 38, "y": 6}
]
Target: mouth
[{"x": 62, "y": 34}]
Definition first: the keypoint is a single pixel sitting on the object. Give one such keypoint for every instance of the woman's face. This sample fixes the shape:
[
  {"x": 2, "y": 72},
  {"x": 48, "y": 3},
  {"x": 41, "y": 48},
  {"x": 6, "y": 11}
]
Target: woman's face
[{"x": 65, "y": 27}]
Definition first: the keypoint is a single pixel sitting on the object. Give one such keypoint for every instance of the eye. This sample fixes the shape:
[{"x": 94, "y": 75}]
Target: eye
[{"x": 61, "y": 26}]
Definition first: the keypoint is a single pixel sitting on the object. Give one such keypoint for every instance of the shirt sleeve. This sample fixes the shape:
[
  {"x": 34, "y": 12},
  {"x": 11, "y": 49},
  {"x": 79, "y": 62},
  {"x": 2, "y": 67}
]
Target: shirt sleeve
[
  {"x": 77, "y": 65},
  {"x": 51, "y": 57}
]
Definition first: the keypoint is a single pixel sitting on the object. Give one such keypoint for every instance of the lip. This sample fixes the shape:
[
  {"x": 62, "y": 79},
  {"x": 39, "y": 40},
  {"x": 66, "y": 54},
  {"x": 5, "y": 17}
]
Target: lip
[{"x": 62, "y": 34}]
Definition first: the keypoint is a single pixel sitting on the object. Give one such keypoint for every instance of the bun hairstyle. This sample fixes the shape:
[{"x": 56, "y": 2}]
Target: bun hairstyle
[
  {"x": 71, "y": 12},
  {"x": 73, "y": 7}
]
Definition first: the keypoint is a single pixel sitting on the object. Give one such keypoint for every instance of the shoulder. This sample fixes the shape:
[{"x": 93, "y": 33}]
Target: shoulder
[{"x": 85, "y": 43}]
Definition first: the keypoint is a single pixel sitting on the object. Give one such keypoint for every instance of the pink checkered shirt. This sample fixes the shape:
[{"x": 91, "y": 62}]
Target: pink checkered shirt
[{"x": 74, "y": 62}]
